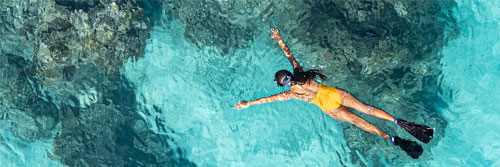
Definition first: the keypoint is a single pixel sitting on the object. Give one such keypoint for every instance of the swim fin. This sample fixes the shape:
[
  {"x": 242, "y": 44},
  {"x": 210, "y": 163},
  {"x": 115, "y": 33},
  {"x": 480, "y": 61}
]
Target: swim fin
[
  {"x": 419, "y": 131},
  {"x": 412, "y": 148}
]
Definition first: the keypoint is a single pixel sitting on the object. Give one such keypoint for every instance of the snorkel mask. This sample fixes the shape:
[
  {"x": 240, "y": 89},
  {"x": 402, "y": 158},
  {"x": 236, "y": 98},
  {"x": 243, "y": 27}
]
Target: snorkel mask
[{"x": 283, "y": 78}]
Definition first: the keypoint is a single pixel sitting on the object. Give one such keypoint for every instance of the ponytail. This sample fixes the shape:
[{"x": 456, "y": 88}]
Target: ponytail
[{"x": 302, "y": 77}]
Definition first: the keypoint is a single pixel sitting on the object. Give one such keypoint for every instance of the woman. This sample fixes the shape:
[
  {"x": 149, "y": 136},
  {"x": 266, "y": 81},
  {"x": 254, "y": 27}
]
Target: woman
[{"x": 334, "y": 102}]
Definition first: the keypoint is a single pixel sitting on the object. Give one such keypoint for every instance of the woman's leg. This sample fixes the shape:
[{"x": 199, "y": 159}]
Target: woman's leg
[
  {"x": 344, "y": 114},
  {"x": 350, "y": 101}
]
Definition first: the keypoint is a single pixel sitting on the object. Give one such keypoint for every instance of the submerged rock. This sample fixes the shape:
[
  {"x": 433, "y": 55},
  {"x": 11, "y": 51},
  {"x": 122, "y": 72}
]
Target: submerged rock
[
  {"x": 104, "y": 35},
  {"x": 227, "y": 25},
  {"x": 60, "y": 64},
  {"x": 105, "y": 134},
  {"x": 25, "y": 106}
]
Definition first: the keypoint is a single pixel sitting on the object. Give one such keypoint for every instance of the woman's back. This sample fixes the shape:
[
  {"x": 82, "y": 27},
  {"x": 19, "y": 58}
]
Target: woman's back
[{"x": 306, "y": 91}]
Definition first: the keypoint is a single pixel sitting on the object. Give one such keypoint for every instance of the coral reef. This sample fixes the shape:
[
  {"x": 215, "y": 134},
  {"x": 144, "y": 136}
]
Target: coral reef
[
  {"x": 25, "y": 104},
  {"x": 60, "y": 64},
  {"x": 217, "y": 23}
]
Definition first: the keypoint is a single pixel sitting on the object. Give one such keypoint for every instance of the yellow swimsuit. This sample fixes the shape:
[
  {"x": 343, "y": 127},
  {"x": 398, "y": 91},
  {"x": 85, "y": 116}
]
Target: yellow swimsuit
[{"x": 327, "y": 98}]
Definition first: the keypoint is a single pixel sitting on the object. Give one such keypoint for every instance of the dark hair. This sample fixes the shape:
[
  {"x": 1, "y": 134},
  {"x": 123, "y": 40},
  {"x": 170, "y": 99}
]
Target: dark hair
[
  {"x": 298, "y": 77},
  {"x": 302, "y": 77}
]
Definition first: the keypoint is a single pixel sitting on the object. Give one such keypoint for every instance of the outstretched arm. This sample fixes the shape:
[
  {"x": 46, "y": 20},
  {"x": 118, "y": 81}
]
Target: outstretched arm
[
  {"x": 277, "y": 97},
  {"x": 277, "y": 37}
]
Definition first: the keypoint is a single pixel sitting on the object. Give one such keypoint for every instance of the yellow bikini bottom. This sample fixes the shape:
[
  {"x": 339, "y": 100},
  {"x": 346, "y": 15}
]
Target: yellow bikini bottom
[{"x": 327, "y": 98}]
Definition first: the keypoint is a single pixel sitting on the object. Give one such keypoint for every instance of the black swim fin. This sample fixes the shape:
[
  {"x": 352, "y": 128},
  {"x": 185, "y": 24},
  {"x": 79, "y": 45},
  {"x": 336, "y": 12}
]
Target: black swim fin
[
  {"x": 412, "y": 148},
  {"x": 419, "y": 131}
]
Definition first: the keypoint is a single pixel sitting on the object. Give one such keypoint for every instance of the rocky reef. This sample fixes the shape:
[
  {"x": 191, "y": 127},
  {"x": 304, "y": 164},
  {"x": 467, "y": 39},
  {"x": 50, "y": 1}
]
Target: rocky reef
[
  {"x": 60, "y": 64},
  {"x": 389, "y": 50}
]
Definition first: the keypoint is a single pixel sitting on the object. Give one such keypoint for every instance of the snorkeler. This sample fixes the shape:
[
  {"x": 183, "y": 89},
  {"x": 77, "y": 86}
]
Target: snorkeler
[{"x": 333, "y": 101}]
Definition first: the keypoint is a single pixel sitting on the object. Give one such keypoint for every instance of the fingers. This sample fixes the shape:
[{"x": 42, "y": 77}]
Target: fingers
[
  {"x": 274, "y": 31},
  {"x": 275, "y": 34},
  {"x": 241, "y": 105},
  {"x": 238, "y": 106}
]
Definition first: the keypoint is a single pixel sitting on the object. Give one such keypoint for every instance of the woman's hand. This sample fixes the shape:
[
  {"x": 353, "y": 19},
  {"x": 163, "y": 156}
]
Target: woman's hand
[
  {"x": 241, "y": 105},
  {"x": 275, "y": 34}
]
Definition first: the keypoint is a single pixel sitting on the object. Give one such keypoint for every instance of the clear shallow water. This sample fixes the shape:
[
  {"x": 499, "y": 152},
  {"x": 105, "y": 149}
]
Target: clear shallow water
[
  {"x": 471, "y": 71},
  {"x": 188, "y": 95},
  {"x": 16, "y": 152},
  {"x": 195, "y": 92},
  {"x": 192, "y": 92}
]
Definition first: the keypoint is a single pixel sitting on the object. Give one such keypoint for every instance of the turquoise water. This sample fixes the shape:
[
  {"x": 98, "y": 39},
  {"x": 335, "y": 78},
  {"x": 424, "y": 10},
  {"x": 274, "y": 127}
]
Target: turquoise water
[
  {"x": 195, "y": 91},
  {"x": 471, "y": 68},
  {"x": 16, "y": 152},
  {"x": 187, "y": 94}
]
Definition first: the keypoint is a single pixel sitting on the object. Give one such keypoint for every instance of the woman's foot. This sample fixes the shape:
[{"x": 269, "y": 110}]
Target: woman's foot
[
  {"x": 391, "y": 138},
  {"x": 412, "y": 148},
  {"x": 421, "y": 132}
]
